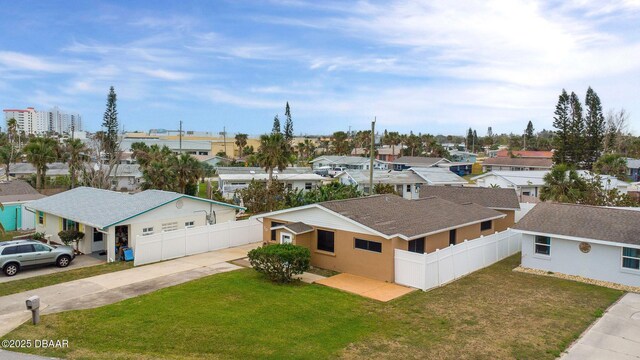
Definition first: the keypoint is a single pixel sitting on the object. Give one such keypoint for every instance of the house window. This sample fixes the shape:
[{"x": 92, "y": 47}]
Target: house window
[
  {"x": 417, "y": 246},
  {"x": 40, "y": 217},
  {"x": 273, "y": 231},
  {"x": 631, "y": 258},
  {"x": 368, "y": 245},
  {"x": 485, "y": 225},
  {"x": 452, "y": 237},
  {"x": 70, "y": 225},
  {"x": 170, "y": 226},
  {"x": 408, "y": 188},
  {"x": 308, "y": 186},
  {"x": 189, "y": 224},
  {"x": 325, "y": 240},
  {"x": 147, "y": 231},
  {"x": 543, "y": 245}
]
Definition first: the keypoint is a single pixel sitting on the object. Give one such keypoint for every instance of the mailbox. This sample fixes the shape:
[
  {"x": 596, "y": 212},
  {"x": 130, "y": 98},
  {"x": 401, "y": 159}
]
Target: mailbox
[{"x": 33, "y": 303}]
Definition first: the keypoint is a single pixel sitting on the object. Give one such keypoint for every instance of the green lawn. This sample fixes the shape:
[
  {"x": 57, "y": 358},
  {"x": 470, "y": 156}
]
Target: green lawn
[
  {"x": 202, "y": 188},
  {"x": 493, "y": 313},
  {"x": 17, "y": 286}
]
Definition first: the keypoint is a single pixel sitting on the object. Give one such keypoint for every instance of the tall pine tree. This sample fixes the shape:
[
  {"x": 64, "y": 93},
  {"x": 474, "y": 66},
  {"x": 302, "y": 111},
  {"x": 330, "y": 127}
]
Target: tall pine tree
[
  {"x": 110, "y": 125},
  {"x": 562, "y": 123},
  {"x": 288, "y": 124},
  {"x": 577, "y": 131},
  {"x": 469, "y": 139},
  {"x": 595, "y": 128},
  {"x": 276, "y": 125},
  {"x": 528, "y": 135}
]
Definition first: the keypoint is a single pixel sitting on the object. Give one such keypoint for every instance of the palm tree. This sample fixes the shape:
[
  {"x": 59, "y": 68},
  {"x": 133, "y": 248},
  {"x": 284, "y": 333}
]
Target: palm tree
[
  {"x": 76, "y": 151},
  {"x": 188, "y": 171},
  {"x": 562, "y": 184},
  {"x": 273, "y": 153},
  {"x": 241, "y": 142},
  {"x": 40, "y": 152}
]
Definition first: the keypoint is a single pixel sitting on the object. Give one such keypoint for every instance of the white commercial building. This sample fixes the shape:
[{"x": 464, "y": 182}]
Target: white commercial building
[{"x": 32, "y": 121}]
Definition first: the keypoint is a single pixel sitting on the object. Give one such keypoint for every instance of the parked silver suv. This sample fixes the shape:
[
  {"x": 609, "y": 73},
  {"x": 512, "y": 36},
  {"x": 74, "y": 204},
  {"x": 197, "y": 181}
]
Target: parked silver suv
[{"x": 16, "y": 254}]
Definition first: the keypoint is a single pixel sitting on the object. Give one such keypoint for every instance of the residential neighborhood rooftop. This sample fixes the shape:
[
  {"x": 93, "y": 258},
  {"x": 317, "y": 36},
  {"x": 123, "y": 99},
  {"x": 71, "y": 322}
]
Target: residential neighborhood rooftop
[
  {"x": 583, "y": 221},
  {"x": 383, "y": 177},
  {"x": 18, "y": 190},
  {"x": 519, "y": 161},
  {"x": 102, "y": 208},
  {"x": 493, "y": 198},
  {"x": 393, "y": 215},
  {"x": 343, "y": 160},
  {"x": 438, "y": 175},
  {"x": 525, "y": 154},
  {"x": 257, "y": 170},
  {"x": 419, "y": 160}
]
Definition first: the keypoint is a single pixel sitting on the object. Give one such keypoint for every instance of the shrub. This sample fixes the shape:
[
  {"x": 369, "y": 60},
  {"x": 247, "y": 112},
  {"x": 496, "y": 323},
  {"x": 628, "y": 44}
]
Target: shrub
[
  {"x": 69, "y": 236},
  {"x": 279, "y": 262},
  {"x": 38, "y": 236}
]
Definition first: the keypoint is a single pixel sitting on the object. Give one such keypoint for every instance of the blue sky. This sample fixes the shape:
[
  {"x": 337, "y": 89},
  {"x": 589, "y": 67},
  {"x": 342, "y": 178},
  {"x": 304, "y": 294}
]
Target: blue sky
[{"x": 431, "y": 67}]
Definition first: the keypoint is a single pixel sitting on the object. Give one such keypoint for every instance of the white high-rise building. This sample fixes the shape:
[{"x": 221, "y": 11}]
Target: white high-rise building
[{"x": 40, "y": 122}]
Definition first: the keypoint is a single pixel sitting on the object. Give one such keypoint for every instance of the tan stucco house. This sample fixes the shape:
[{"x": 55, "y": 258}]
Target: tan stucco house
[
  {"x": 502, "y": 200},
  {"x": 111, "y": 219},
  {"x": 359, "y": 235}
]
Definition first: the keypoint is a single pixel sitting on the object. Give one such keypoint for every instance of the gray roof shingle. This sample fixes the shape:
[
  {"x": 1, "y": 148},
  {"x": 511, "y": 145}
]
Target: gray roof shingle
[
  {"x": 18, "y": 190},
  {"x": 493, "y": 198},
  {"x": 102, "y": 208},
  {"x": 583, "y": 221},
  {"x": 394, "y": 215},
  {"x": 418, "y": 160}
]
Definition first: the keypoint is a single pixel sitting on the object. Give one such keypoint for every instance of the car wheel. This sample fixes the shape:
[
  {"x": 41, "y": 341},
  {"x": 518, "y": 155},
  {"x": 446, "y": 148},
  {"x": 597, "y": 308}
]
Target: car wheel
[
  {"x": 11, "y": 269},
  {"x": 63, "y": 261}
]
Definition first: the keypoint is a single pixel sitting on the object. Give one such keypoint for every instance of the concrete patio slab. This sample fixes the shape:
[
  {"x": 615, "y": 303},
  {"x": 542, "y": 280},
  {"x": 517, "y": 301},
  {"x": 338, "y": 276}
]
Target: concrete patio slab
[
  {"x": 310, "y": 278},
  {"x": 370, "y": 288},
  {"x": 80, "y": 261},
  {"x": 616, "y": 335}
]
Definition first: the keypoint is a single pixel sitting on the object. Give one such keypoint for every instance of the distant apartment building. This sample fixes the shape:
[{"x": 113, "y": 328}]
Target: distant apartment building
[{"x": 32, "y": 121}]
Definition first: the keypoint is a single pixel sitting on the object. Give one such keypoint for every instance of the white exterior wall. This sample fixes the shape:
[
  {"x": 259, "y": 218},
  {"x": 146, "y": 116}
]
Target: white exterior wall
[
  {"x": 320, "y": 218},
  {"x": 229, "y": 187},
  {"x": 490, "y": 180},
  {"x": 125, "y": 183},
  {"x": 53, "y": 225},
  {"x": 603, "y": 262}
]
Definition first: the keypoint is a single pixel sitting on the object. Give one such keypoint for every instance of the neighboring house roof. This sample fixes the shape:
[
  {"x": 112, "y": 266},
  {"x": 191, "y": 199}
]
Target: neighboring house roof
[
  {"x": 256, "y": 170},
  {"x": 393, "y": 215},
  {"x": 53, "y": 169},
  {"x": 265, "y": 177},
  {"x": 381, "y": 151},
  {"x": 518, "y": 178},
  {"x": 343, "y": 160},
  {"x": 103, "y": 208},
  {"x": 633, "y": 163},
  {"x": 526, "y": 154},
  {"x": 519, "y": 162},
  {"x": 583, "y": 221},
  {"x": 438, "y": 176},
  {"x": 128, "y": 170},
  {"x": 18, "y": 190},
  {"x": 419, "y": 161},
  {"x": 207, "y": 158},
  {"x": 296, "y": 228},
  {"x": 361, "y": 177},
  {"x": 493, "y": 198}
]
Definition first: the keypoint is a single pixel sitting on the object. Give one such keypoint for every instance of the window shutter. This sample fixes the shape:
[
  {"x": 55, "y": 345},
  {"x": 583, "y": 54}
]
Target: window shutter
[
  {"x": 44, "y": 219},
  {"x": 81, "y": 227}
]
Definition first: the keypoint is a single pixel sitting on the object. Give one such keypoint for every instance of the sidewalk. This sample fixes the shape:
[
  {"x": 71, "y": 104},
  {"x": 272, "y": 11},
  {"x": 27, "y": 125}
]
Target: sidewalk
[{"x": 113, "y": 287}]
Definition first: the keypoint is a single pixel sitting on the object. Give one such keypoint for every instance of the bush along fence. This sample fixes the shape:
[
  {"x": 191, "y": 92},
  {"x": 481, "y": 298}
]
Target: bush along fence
[{"x": 427, "y": 271}]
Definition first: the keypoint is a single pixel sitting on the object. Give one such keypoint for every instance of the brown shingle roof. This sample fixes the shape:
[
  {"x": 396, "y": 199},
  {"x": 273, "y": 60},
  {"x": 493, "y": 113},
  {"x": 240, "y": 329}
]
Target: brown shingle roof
[
  {"x": 526, "y": 154},
  {"x": 524, "y": 162},
  {"x": 493, "y": 198},
  {"x": 591, "y": 222},
  {"x": 18, "y": 190},
  {"x": 394, "y": 215}
]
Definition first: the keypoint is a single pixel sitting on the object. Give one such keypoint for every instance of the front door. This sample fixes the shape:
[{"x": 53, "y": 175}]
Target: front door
[
  {"x": 286, "y": 238},
  {"x": 97, "y": 244}
]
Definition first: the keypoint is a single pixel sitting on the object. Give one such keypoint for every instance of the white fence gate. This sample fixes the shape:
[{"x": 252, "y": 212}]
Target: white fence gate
[
  {"x": 195, "y": 240},
  {"x": 426, "y": 271}
]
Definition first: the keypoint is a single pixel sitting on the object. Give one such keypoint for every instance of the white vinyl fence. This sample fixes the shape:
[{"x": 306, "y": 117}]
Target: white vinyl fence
[
  {"x": 195, "y": 240},
  {"x": 427, "y": 271}
]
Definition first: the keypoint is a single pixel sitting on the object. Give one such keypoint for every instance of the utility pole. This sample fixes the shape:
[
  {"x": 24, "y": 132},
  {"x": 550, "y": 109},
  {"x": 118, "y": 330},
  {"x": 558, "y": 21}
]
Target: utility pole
[
  {"x": 180, "y": 137},
  {"x": 372, "y": 154}
]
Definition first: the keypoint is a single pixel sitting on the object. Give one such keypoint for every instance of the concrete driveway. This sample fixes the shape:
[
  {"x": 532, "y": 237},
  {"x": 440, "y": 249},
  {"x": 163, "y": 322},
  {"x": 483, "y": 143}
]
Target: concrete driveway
[
  {"x": 117, "y": 286},
  {"x": 79, "y": 262},
  {"x": 360, "y": 285},
  {"x": 616, "y": 335}
]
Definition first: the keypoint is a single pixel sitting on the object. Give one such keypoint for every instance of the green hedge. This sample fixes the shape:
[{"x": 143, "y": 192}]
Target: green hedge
[{"x": 280, "y": 262}]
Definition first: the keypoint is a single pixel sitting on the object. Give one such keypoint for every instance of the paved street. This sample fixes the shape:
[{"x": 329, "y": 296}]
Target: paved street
[
  {"x": 113, "y": 287},
  {"x": 616, "y": 335}
]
